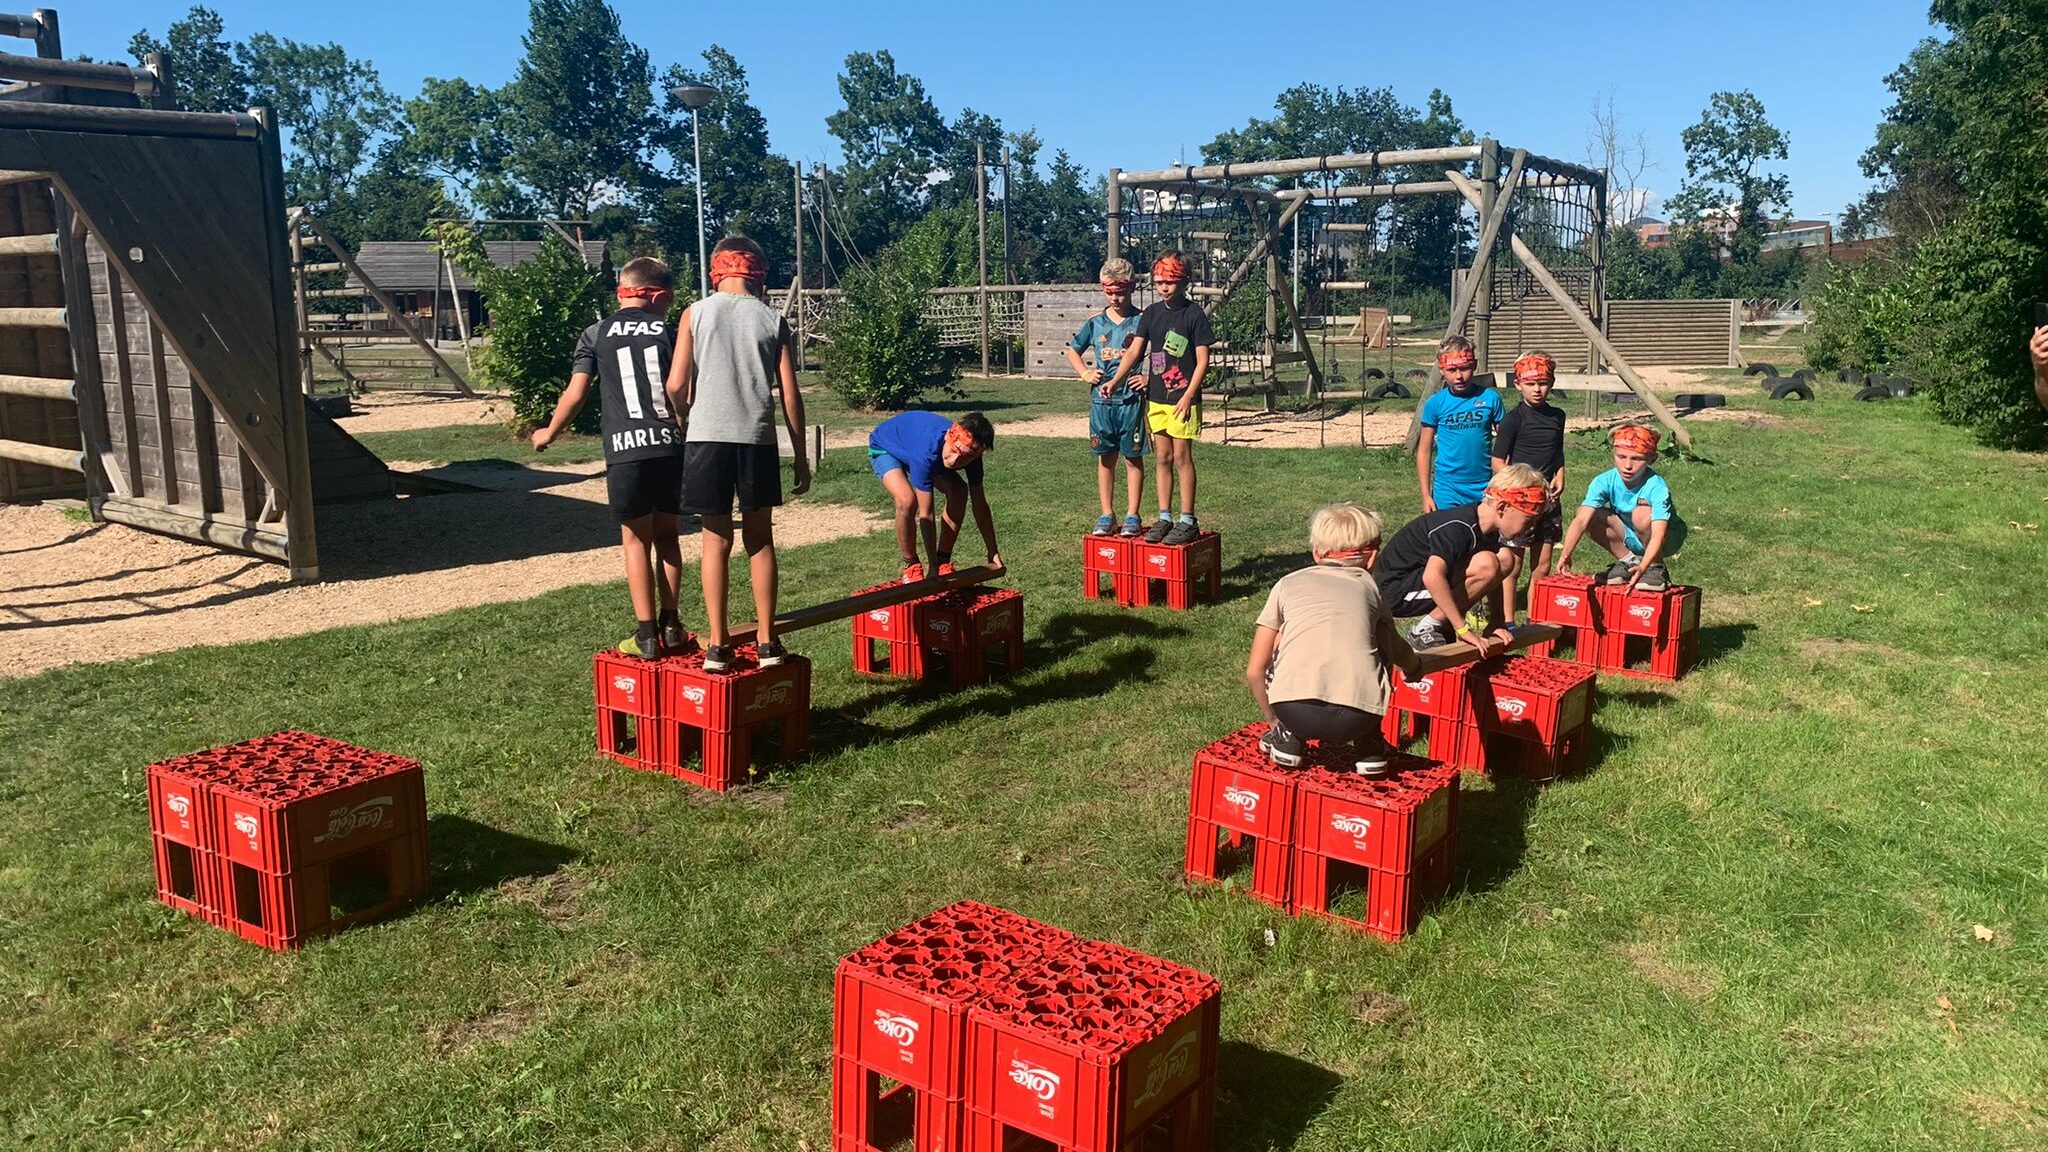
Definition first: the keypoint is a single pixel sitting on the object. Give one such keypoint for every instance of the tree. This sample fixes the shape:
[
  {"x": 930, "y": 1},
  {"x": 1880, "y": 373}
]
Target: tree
[
  {"x": 579, "y": 110},
  {"x": 1624, "y": 155},
  {"x": 1726, "y": 157},
  {"x": 746, "y": 187},
  {"x": 1069, "y": 227},
  {"x": 206, "y": 73},
  {"x": 334, "y": 108},
  {"x": 454, "y": 131},
  {"x": 893, "y": 139}
]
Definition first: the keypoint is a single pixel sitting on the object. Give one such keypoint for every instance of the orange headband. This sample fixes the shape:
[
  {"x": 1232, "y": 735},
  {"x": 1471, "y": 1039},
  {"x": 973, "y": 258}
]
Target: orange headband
[
  {"x": 651, "y": 293},
  {"x": 1535, "y": 368},
  {"x": 960, "y": 440},
  {"x": 1456, "y": 358},
  {"x": 1532, "y": 499},
  {"x": 737, "y": 262},
  {"x": 1636, "y": 438},
  {"x": 1117, "y": 286},
  {"x": 1169, "y": 268}
]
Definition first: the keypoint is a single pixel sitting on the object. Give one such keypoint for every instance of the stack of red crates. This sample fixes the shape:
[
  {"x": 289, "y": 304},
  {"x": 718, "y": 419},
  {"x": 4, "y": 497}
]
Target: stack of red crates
[
  {"x": 1567, "y": 600},
  {"x": 671, "y": 716},
  {"x": 967, "y": 630},
  {"x": 1655, "y": 635},
  {"x": 977, "y": 1030},
  {"x": 1183, "y": 575},
  {"x": 1315, "y": 828},
  {"x": 289, "y": 836},
  {"x": 1113, "y": 556},
  {"x": 1530, "y": 715}
]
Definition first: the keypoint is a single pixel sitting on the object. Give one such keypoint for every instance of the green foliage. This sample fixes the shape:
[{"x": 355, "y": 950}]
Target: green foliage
[
  {"x": 579, "y": 111},
  {"x": 1725, "y": 158},
  {"x": 893, "y": 138},
  {"x": 881, "y": 353},
  {"x": 455, "y": 132},
  {"x": 746, "y": 187},
  {"x": 206, "y": 70},
  {"x": 538, "y": 309}
]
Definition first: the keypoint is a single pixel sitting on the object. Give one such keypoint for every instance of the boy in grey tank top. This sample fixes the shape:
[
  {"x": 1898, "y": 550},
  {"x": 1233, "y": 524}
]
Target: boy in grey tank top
[{"x": 733, "y": 356}]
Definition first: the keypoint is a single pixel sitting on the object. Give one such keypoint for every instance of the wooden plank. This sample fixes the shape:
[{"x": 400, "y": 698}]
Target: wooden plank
[
  {"x": 39, "y": 387},
  {"x": 32, "y": 318},
  {"x": 385, "y": 300},
  {"x": 167, "y": 438},
  {"x": 320, "y": 266},
  {"x": 1458, "y": 654},
  {"x": 43, "y": 456},
  {"x": 222, "y": 532},
  {"x": 44, "y": 245},
  {"x": 867, "y": 601}
]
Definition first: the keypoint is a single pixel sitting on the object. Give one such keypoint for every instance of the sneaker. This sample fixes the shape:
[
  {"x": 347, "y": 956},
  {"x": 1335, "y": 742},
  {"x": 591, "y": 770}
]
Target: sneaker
[
  {"x": 1617, "y": 572},
  {"x": 1654, "y": 577},
  {"x": 1133, "y": 527},
  {"x": 1183, "y": 532},
  {"x": 770, "y": 654},
  {"x": 912, "y": 573},
  {"x": 945, "y": 568},
  {"x": 1282, "y": 746},
  {"x": 644, "y": 649},
  {"x": 1430, "y": 632},
  {"x": 1478, "y": 619},
  {"x": 1372, "y": 765},
  {"x": 1158, "y": 531},
  {"x": 718, "y": 658},
  {"x": 1105, "y": 525},
  {"x": 675, "y": 638}
]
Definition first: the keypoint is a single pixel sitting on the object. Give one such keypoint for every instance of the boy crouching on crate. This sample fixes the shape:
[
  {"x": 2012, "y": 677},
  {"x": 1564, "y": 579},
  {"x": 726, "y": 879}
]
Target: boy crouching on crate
[
  {"x": 1319, "y": 658},
  {"x": 1442, "y": 565},
  {"x": 1628, "y": 511}
]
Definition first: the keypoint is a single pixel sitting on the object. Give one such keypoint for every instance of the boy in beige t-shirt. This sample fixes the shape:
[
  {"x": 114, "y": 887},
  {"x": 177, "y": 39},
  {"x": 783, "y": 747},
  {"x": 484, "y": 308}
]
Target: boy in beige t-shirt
[{"x": 1319, "y": 657}]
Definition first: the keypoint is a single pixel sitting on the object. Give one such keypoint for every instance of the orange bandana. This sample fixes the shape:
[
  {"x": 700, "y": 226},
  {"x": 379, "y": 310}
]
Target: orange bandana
[
  {"x": 737, "y": 263},
  {"x": 1535, "y": 368},
  {"x": 961, "y": 442},
  {"x": 1169, "y": 269},
  {"x": 1532, "y": 499},
  {"x": 656, "y": 299},
  {"x": 1456, "y": 358},
  {"x": 1636, "y": 438},
  {"x": 1117, "y": 287}
]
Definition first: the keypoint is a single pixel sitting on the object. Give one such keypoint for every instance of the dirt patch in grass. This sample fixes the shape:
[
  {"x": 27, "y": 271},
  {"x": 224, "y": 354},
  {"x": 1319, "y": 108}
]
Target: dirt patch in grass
[
  {"x": 2004, "y": 1114},
  {"x": 1376, "y": 1009},
  {"x": 1831, "y": 648},
  {"x": 561, "y": 898},
  {"x": 1681, "y": 979},
  {"x": 498, "y": 1024}
]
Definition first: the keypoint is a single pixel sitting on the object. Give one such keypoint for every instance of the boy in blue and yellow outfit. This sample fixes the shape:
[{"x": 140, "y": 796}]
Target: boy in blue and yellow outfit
[{"x": 1116, "y": 417}]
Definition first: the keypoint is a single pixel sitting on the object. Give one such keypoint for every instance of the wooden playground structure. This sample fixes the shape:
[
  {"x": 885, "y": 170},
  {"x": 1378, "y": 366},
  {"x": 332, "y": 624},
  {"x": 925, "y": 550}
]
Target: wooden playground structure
[{"x": 149, "y": 350}]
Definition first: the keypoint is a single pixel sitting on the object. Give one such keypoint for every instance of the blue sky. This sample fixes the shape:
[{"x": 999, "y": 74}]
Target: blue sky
[{"x": 1087, "y": 81}]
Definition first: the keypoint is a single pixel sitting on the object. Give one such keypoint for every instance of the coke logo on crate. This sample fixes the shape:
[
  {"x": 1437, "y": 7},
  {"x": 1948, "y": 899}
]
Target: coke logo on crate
[
  {"x": 1106, "y": 553},
  {"x": 1353, "y": 825},
  {"x": 1642, "y": 611},
  {"x": 769, "y": 695},
  {"x": 995, "y": 624},
  {"x": 1042, "y": 1083},
  {"x": 1511, "y": 706},
  {"x": 879, "y": 615},
  {"x": 900, "y": 1029},
  {"x": 1423, "y": 686},
  {"x": 345, "y": 820},
  {"x": 181, "y": 807},
  {"x": 1243, "y": 799},
  {"x": 1568, "y": 603},
  {"x": 938, "y": 624},
  {"x": 694, "y": 695},
  {"x": 626, "y": 684},
  {"x": 245, "y": 823},
  {"x": 1170, "y": 1071},
  {"x": 1157, "y": 560}
]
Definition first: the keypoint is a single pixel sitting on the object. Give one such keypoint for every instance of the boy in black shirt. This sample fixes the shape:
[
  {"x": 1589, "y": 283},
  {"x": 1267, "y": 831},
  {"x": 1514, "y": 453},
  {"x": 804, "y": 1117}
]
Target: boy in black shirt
[
  {"x": 628, "y": 353},
  {"x": 1533, "y": 434},
  {"x": 1173, "y": 343},
  {"x": 1439, "y": 565}
]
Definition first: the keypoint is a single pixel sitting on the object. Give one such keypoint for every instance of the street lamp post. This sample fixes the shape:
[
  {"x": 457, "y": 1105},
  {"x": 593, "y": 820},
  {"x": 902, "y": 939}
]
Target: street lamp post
[{"x": 694, "y": 97}]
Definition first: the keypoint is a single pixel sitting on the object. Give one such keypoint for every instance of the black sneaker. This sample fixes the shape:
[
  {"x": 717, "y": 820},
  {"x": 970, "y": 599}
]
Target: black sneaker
[
  {"x": 1183, "y": 532},
  {"x": 1654, "y": 577},
  {"x": 718, "y": 658},
  {"x": 1617, "y": 572},
  {"x": 674, "y": 638},
  {"x": 1158, "y": 531},
  {"x": 770, "y": 654},
  {"x": 1282, "y": 746},
  {"x": 1430, "y": 632}
]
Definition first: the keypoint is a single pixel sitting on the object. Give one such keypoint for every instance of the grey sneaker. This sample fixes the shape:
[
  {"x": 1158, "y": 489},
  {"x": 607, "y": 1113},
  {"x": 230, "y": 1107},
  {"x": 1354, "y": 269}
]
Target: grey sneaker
[
  {"x": 718, "y": 658},
  {"x": 1183, "y": 532},
  {"x": 1282, "y": 747},
  {"x": 1654, "y": 577},
  {"x": 770, "y": 654},
  {"x": 1430, "y": 632},
  {"x": 1617, "y": 572},
  {"x": 1133, "y": 527},
  {"x": 1104, "y": 525},
  {"x": 1158, "y": 531}
]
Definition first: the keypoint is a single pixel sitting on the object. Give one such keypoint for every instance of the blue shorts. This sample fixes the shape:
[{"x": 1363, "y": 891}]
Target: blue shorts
[
  {"x": 1118, "y": 430},
  {"x": 883, "y": 463},
  {"x": 1449, "y": 495},
  {"x": 1674, "y": 536}
]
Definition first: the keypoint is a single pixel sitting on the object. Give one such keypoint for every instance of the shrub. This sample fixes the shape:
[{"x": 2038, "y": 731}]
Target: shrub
[
  {"x": 880, "y": 353},
  {"x": 538, "y": 309}
]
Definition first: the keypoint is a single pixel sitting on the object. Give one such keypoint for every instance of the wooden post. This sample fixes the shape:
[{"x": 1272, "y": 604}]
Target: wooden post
[
  {"x": 1468, "y": 292},
  {"x": 1114, "y": 247},
  {"x": 455, "y": 301},
  {"x": 796, "y": 288},
  {"x": 299, "y": 309},
  {"x": 1482, "y": 260},
  {"x": 981, "y": 246},
  {"x": 303, "y": 556},
  {"x": 434, "y": 319},
  {"x": 1598, "y": 295}
]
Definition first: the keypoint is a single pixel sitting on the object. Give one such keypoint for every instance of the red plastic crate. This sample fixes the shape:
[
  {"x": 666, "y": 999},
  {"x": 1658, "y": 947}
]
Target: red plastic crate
[
  {"x": 1533, "y": 697},
  {"x": 873, "y": 1112},
  {"x": 711, "y": 726},
  {"x": 1461, "y": 746},
  {"x": 282, "y": 825},
  {"x": 284, "y": 910},
  {"x": 187, "y": 878},
  {"x": 1394, "y": 902},
  {"x": 1669, "y": 647},
  {"x": 1566, "y": 598},
  {"x": 1388, "y": 823},
  {"x": 628, "y": 701},
  {"x": 1236, "y": 792},
  {"x": 1112, "y": 556},
  {"x": 902, "y": 659},
  {"x": 1186, "y": 574},
  {"x": 1540, "y": 762},
  {"x": 1187, "y": 1124},
  {"x": 1440, "y": 695}
]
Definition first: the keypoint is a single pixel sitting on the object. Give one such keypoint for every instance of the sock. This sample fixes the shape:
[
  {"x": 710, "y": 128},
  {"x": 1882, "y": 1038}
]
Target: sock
[
  {"x": 644, "y": 633},
  {"x": 1165, "y": 515},
  {"x": 667, "y": 618},
  {"x": 1187, "y": 517}
]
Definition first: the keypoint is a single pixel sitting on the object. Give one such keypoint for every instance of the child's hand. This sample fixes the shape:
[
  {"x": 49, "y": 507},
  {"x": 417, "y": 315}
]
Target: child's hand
[
  {"x": 800, "y": 478},
  {"x": 2038, "y": 348},
  {"x": 1561, "y": 565},
  {"x": 1428, "y": 503},
  {"x": 542, "y": 437},
  {"x": 1104, "y": 390},
  {"x": 1092, "y": 375}
]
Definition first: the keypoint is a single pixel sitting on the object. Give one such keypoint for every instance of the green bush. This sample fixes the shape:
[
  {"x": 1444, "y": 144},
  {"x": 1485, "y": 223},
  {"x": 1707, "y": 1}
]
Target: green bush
[
  {"x": 538, "y": 309},
  {"x": 880, "y": 352}
]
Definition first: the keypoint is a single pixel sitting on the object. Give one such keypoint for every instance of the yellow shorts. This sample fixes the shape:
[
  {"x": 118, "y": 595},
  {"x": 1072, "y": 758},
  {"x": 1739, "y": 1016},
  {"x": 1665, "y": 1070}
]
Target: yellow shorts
[{"x": 1159, "y": 418}]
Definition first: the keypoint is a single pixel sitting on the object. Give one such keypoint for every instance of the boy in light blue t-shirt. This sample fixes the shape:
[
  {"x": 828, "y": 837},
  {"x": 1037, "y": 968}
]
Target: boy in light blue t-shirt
[
  {"x": 1116, "y": 416},
  {"x": 1628, "y": 511},
  {"x": 1454, "y": 454}
]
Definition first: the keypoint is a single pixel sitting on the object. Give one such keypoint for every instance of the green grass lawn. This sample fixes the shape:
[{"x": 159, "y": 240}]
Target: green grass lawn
[{"x": 1797, "y": 901}]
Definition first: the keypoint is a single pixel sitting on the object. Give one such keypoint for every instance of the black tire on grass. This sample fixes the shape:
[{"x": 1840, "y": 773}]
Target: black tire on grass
[
  {"x": 1760, "y": 369},
  {"x": 1872, "y": 392},
  {"x": 1791, "y": 390},
  {"x": 1805, "y": 374},
  {"x": 1850, "y": 376},
  {"x": 1416, "y": 374},
  {"x": 1375, "y": 374},
  {"x": 1901, "y": 386}
]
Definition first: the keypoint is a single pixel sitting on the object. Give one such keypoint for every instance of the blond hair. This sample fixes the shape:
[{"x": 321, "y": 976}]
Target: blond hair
[
  {"x": 1516, "y": 476},
  {"x": 1454, "y": 343},
  {"x": 1117, "y": 269},
  {"x": 1343, "y": 528}
]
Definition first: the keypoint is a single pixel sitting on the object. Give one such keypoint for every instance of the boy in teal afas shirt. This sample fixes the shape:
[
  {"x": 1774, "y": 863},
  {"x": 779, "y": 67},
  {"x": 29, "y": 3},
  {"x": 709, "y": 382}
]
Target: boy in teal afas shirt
[{"x": 1454, "y": 454}]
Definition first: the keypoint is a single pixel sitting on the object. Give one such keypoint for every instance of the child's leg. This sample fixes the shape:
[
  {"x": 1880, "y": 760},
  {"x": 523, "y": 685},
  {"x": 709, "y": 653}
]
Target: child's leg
[
  {"x": 668, "y": 551},
  {"x": 897, "y": 482},
  {"x": 1134, "y": 484},
  {"x": 954, "y": 512},
  {"x": 636, "y": 541},
  {"x": 1511, "y": 588},
  {"x": 1162, "y": 467},
  {"x": 1605, "y": 530},
  {"x": 1105, "y": 482},
  {"x": 1640, "y": 520},
  {"x": 757, "y": 535},
  {"x": 1482, "y": 572},
  {"x": 716, "y": 538},
  {"x": 1184, "y": 471}
]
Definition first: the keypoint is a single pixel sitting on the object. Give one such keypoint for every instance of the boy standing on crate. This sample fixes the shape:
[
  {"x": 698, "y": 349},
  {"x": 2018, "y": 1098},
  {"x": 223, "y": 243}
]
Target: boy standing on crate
[
  {"x": 1116, "y": 419},
  {"x": 628, "y": 354},
  {"x": 733, "y": 358},
  {"x": 1533, "y": 434},
  {"x": 1628, "y": 511},
  {"x": 1173, "y": 344},
  {"x": 1454, "y": 451}
]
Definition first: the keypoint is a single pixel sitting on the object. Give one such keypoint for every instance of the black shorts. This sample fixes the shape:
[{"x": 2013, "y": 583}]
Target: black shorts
[
  {"x": 1548, "y": 529},
  {"x": 1405, "y": 596},
  {"x": 1321, "y": 720},
  {"x": 643, "y": 487},
  {"x": 715, "y": 475}
]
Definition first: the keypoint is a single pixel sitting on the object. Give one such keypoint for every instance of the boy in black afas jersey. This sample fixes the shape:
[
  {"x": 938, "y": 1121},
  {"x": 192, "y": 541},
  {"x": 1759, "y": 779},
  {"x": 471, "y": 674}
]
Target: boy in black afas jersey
[{"x": 628, "y": 353}]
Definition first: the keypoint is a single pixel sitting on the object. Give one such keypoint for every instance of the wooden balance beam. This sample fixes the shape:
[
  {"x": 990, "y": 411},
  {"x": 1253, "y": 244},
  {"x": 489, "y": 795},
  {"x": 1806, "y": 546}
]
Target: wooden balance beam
[
  {"x": 852, "y": 606},
  {"x": 1453, "y": 655}
]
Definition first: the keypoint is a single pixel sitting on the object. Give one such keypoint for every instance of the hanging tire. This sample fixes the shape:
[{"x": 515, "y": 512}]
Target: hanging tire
[
  {"x": 1901, "y": 386},
  {"x": 1760, "y": 369},
  {"x": 1805, "y": 374},
  {"x": 1873, "y": 392},
  {"x": 1850, "y": 376},
  {"x": 1791, "y": 390},
  {"x": 1392, "y": 390},
  {"x": 1375, "y": 374}
]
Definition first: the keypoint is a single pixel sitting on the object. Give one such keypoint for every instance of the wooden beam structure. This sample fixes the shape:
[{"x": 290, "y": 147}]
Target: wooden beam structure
[
  {"x": 852, "y": 606},
  {"x": 1297, "y": 167},
  {"x": 1456, "y": 655},
  {"x": 1461, "y": 305},
  {"x": 348, "y": 261}
]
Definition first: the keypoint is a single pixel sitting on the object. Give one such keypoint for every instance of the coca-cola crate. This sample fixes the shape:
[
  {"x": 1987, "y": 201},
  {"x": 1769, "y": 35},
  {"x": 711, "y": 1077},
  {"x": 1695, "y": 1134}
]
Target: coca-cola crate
[
  {"x": 1566, "y": 599},
  {"x": 187, "y": 878},
  {"x": 1533, "y": 697},
  {"x": 975, "y": 632},
  {"x": 1669, "y": 612},
  {"x": 901, "y": 659},
  {"x": 1094, "y": 1048},
  {"x": 1540, "y": 762},
  {"x": 741, "y": 697},
  {"x": 719, "y": 761},
  {"x": 1388, "y": 823},
  {"x": 284, "y": 910},
  {"x": 1237, "y": 793},
  {"x": 873, "y": 1112},
  {"x": 1114, "y": 557},
  {"x": 1439, "y": 695},
  {"x": 1187, "y": 1124},
  {"x": 1670, "y": 647},
  {"x": 1393, "y": 902},
  {"x": 311, "y": 800},
  {"x": 1180, "y": 574},
  {"x": 1461, "y": 746},
  {"x": 628, "y": 701}
]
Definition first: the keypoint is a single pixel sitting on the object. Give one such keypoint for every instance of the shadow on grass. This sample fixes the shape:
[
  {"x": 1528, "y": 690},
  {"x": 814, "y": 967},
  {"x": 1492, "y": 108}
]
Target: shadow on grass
[
  {"x": 1634, "y": 698},
  {"x": 1493, "y": 831},
  {"x": 1721, "y": 640},
  {"x": 1256, "y": 573},
  {"x": 1268, "y": 1099},
  {"x": 469, "y": 857}
]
